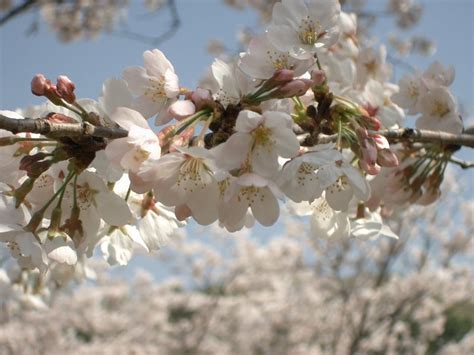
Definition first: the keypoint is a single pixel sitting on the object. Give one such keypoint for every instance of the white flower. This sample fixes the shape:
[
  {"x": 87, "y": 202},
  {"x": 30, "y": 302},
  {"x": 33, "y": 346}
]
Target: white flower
[
  {"x": 412, "y": 88},
  {"x": 376, "y": 100},
  {"x": 118, "y": 244},
  {"x": 228, "y": 83},
  {"x": 24, "y": 248},
  {"x": 139, "y": 146},
  {"x": 298, "y": 178},
  {"x": 342, "y": 181},
  {"x": 156, "y": 85},
  {"x": 438, "y": 108},
  {"x": 249, "y": 191},
  {"x": 96, "y": 202},
  {"x": 327, "y": 223},
  {"x": 262, "y": 60},
  {"x": 115, "y": 94},
  {"x": 61, "y": 249},
  {"x": 371, "y": 227},
  {"x": 371, "y": 65},
  {"x": 264, "y": 137},
  {"x": 300, "y": 27},
  {"x": 437, "y": 75},
  {"x": 186, "y": 178}
]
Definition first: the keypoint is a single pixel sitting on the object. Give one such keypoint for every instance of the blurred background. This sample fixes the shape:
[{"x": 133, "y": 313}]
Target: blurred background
[{"x": 275, "y": 290}]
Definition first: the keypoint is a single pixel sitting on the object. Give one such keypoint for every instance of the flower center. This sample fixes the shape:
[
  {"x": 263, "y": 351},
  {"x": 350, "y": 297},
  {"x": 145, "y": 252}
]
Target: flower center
[
  {"x": 156, "y": 89},
  {"x": 261, "y": 135},
  {"x": 309, "y": 31},
  {"x": 191, "y": 174},
  {"x": 279, "y": 61},
  {"x": 250, "y": 194},
  {"x": 440, "y": 109}
]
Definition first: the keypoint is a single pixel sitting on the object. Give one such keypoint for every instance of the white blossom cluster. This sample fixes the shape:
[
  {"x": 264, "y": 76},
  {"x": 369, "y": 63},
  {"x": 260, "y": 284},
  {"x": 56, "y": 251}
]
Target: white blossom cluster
[
  {"x": 293, "y": 295},
  {"x": 227, "y": 152}
]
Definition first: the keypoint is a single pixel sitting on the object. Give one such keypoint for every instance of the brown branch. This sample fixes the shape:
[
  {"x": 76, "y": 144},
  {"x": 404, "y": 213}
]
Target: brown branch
[
  {"x": 45, "y": 127},
  {"x": 409, "y": 135},
  {"x": 17, "y": 10}
]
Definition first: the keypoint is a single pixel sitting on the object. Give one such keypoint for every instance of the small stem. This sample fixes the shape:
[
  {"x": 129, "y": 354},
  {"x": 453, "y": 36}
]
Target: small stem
[
  {"x": 59, "y": 192},
  {"x": 462, "y": 163},
  {"x": 318, "y": 63},
  {"x": 200, "y": 139}
]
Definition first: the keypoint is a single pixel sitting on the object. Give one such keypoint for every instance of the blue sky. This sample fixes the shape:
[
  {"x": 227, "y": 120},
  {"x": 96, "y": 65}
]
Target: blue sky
[{"x": 450, "y": 23}]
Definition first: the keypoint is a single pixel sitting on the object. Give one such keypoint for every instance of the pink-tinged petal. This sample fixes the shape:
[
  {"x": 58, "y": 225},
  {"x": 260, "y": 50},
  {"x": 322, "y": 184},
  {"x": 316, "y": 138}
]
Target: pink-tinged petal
[
  {"x": 283, "y": 37},
  {"x": 148, "y": 107},
  {"x": 276, "y": 119},
  {"x": 116, "y": 149},
  {"x": 137, "y": 79},
  {"x": 247, "y": 121},
  {"x": 156, "y": 63},
  {"x": 182, "y": 109},
  {"x": 113, "y": 209},
  {"x": 232, "y": 213},
  {"x": 126, "y": 118},
  {"x": 287, "y": 144},
  {"x": 203, "y": 204},
  {"x": 115, "y": 94},
  {"x": 338, "y": 198},
  {"x": 61, "y": 249},
  {"x": 231, "y": 154},
  {"x": 171, "y": 84},
  {"x": 265, "y": 208},
  {"x": 264, "y": 161},
  {"x": 358, "y": 182}
]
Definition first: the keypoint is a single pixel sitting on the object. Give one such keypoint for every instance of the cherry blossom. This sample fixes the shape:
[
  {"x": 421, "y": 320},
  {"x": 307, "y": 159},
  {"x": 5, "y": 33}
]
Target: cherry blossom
[
  {"x": 156, "y": 85},
  {"x": 300, "y": 27}
]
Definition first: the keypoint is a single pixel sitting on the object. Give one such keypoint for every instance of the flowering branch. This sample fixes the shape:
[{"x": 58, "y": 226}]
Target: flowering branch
[{"x": 45, "y": 127}]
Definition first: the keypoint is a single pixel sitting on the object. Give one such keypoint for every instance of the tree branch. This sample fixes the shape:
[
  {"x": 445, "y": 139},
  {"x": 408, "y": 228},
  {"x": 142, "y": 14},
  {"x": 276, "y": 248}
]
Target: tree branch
[
  {"x": 409, "y": 135},
  {"x": 17, "y": 10},
  {"x": 45, "y": 127}
]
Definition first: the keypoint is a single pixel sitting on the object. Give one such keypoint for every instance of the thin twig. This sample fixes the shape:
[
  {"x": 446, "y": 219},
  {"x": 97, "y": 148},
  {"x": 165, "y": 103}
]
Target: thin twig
[
  {"x": 462, "y": 163},
  {"x": 17, "y": 10}
]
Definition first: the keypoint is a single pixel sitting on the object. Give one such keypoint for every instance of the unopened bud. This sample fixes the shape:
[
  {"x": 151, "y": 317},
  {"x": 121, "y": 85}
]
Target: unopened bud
[
  {"x": 387, "y": 158},
  {"x": 60, "y": 118},
  {"x": 371, "y": 122},
  {"x": 65, "y": 88},
  {"x": 371, "y": 169},
  {"x": 202, "y": 98},
  {"x": 53, "y": 229},
  {"x": 318, "y": 76},
  {"x": 380, "y": 141},
  {"x": 296, "y": 87},
  {"x": 40, "y": 85}
]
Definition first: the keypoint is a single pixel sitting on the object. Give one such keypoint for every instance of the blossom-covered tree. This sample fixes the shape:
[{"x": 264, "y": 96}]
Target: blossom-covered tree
[{"x": 305, "y": 120}]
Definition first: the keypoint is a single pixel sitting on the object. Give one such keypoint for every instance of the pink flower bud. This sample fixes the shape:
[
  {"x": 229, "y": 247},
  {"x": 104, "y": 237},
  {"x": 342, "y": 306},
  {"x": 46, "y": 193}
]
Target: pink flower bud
[
  {"x": 60, "y": 118},
  {"x": 201, "y": 98},
  {"x": 318, "y": 76},
  {"x": 65, "y": 88},
  {"x": 181, "y": 109},
  {"x": 361, "y": 133},
  {"x": 371, "y": 169},
  {"x": 40, "y": 85},
  {"x": 381, "y": 142},
  {"x": 296, "y": 87},
  {"x": 371, "y": 122},
  {"x": 283, "y": 75},
  {"x": 387, "y": 158}
]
